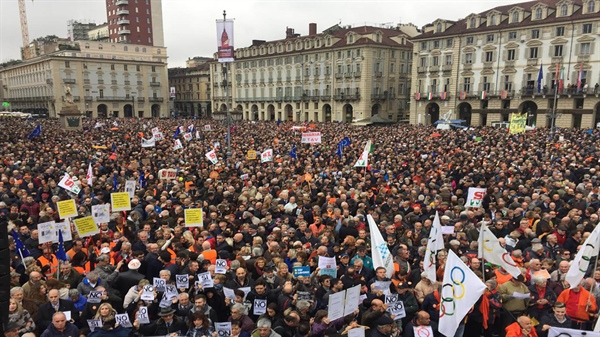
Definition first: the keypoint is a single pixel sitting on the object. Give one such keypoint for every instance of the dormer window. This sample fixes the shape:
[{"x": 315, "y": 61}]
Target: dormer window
[
  {"x": 515, "y": 17},
  {"x": 472, "y": 23},
  {"x": 492, "y": 20},
  {"x": 351, "y": 38},
  {"x": 378, "y": 37},
  {"x": 591, "y": 6},
  {"x": 538, "y": 14},
  {"x": 438, "y": 28},
  {"x": 564, "y": 10}
]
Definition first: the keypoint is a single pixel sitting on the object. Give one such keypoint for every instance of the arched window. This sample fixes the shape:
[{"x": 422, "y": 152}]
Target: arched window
[
  {"x": 538, "y": 14},
  {"x": 125, "y": 48},
  {"x": 438, "y": 28},
  {"x": 515, "y": 17},
  {"x": 472, "y": 23},
  {"x": 100, "y": 46},
  {"x": 143, "y": 50},
  {"x": 564, "y": 10},
  {"x": 591, "y": 6}
]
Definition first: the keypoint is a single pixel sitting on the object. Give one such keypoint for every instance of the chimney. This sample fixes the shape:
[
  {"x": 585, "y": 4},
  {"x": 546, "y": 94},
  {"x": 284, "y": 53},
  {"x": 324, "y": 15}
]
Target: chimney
[
  {"x": 289, "y": 33},
  {"x": 312, "y": 29}
]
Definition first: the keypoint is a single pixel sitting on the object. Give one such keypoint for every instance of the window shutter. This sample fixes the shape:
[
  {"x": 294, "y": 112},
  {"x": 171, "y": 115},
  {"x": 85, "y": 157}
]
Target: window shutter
[{"x": 577, "y": 48}]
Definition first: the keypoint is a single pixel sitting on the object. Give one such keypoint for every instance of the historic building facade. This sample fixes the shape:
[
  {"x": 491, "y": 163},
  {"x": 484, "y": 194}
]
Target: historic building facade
[{"x": 514, "y": 58}]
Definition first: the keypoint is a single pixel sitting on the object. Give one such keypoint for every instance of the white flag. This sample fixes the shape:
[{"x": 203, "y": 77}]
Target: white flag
[
  {"x": 177, "y": 145},
  {"x": 379, "y": 250},
  {"x": 363, "y": 161},
  {"x": 491, "y": 251},
  {"x": 434, "y": 244},
  {"x": 89, "y": 175},
  {"x": 212, "y": 156},
  {"x": 460, "y": 291},
  {"x": 266, "y": 156},
  {"x": 581, "y": 262},
  {"x": 198, "y": 134},
  {"x": 475, "y": 197},
  {"x": 188, "y": 136},
  {"x": 68, "y": 184},
  {"x": 148, "y": 142}
]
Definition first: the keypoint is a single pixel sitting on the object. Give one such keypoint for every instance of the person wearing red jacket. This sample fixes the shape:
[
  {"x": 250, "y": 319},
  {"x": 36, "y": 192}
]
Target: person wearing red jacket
[{"x": 521, "y": 328}]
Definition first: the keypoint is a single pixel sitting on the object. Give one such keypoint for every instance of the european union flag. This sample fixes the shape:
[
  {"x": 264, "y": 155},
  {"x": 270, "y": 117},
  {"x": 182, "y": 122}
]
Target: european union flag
[
  {"x": 23, "y": 252},
  {"x": 60, "y": 252},
  {"x": 115, "y": 183},
  {"x": 293, "y": 153},
  {"x": 340, "y": 149},
  {"x": 114, "y": 147},
  {"x": 142, "y": 179},
  {"x": 36, "y": 132},
  {"x": 177, "y": 131},
  {"x": 278, "y": 121},
  {"x": 345, "y": 142}
]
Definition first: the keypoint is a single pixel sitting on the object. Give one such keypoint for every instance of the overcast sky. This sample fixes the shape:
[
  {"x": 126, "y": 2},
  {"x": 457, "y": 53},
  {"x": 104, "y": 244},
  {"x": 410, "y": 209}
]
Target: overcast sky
[{"x": 189, "y": 25}]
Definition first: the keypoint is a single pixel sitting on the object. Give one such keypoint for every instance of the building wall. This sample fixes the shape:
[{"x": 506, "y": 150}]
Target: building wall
[
  {"x": 505, "y": 59},
  {"x": 324, "y": 77},
  {"x": 192, "y": 90},
  {"x": 102, "y": 77},
  {"x": 135, "y": 21}
]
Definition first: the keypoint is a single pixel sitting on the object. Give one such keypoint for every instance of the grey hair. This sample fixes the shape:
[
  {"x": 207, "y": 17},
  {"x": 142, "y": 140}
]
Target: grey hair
[
  {"x": 492, "y": 283},
  {"x": 538, "y": 279},
  {"x": 102, "y": 258},
  {"x": 28, "y": 260},
  {"x": 15, "y": 290},
  {"x": 257, "y": 251},
  {"x": 241, "y": 308},
  {"x": 165, "y": 271},
  {"x": 302, "y": 304},
  {"x": 73, "y": 292},
  {"x": 263, "y": 323},
  {"x": 235, "y": 264}
]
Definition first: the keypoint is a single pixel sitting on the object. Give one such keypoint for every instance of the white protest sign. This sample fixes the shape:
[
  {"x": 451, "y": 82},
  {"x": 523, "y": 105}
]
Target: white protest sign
[
  {"x": 259, "y": 307},
  {"x": 206, "y": 280},
  {"x": 384, "y": 286},
  {"x": 391, "y": 298},
  {"x": 47, "y": 232},
  {"x": 130, "y": 188},
  {"x": 311, "y": 138},
  {"x": 101, "y": 213},
  {"x": 223, "y": 329},
  {"x": 159, "y": 284},
  {"x": 155, "y": 130},
  {"x": 171, "y": 292},
  {"x": 356, "y": 332},
  {"x": 123, "y": 320},
  {"x": 198, "y": 135},
  {"x": 221, "y": 266},
  {"x": 68, "y": 184},
  {"x": 207, "y": 127},
  {"x": 246, "y": 290},
  {"x": 188, "y": 136},
  {"x": 397, "y": 309},
  {"x": 266, "y": 156},
  {"x": 142, "y": 315},
  {"x": 165, "y": 302},
  {"x": 158, "y": 136},
  {"x": 183, "y": 281},
  {"x": 212, "y": 156},
  {"x": 446, "y": 230},
  {"x": 95, "y": 296},
  {"x": 229, "y": 293},
  {"x": 335, "y": 309},
  {"x": 352, "y": 298},
  {"x": 148, "y": 293},
  {"x": 475, "y": 197},
  {"x": 67, "y": 315},
  {"x": 423, "y": 331},
  {"x": 94, "y": 324}
]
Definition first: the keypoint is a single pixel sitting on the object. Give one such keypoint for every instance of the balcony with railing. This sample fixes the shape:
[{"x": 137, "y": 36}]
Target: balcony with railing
[
  {"x": 314, "y": 98},
  {"x": 377, "y": 97},
  {"x": 532, "y": 62},
  {"x": 124, "y": 31},
  {"x": 100, "y": 81},
  {"x": 434, "y": 69},
  {"x": 112, "y": 98},
  {"x": 583, "y": 58},
  {"x": 122, "y": 12},
  {"x": 88, "y": 98},
  {"x": 69, "y": 81},
  {"x": 155, "y": 99},
  {"x": 447, "y": 67},
  {"x": 378, "y": 74},
  {"x": 123, "y": 22},
  {"x": 122, "y": 2},
  {"x": 421, "y": 70},
  {"x": 339, "y": 75},
  {"x": 346, "y": 97},
  {"x": 141, "y": 99},
  {"x": 86, "y": 81},
  {"x": 113, "y": 82}
]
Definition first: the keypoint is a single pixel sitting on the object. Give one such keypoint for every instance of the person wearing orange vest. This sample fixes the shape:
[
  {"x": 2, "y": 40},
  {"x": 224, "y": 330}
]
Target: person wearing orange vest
[
  {"x": 48, "y": 262},
  {"x": 580, "y": 305},
  {"x": 209, "y": 253},
  {"x": 77, "y": 247},
  {"x": 521, "y": 328}
]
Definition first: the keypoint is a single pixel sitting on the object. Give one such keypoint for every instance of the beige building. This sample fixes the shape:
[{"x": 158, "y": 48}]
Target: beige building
[
  {"x": 487, "y": 65},
  {"x": 192, "y": 89},
  {"x": 342, "y": 74},
  {"x": 106, "y": 80}
]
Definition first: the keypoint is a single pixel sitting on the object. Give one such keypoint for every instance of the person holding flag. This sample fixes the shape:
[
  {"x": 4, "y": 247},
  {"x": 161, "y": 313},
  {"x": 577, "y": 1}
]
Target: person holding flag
[
  {"x": 36, "y": 132},
  {"x": 293, "y": 152}
]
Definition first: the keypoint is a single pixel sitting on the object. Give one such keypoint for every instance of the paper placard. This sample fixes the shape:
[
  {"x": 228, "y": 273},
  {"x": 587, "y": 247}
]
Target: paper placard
[
  {"x": 48, "y": 231},
  {"x": 183, "y": 281},
  {"x": 206, "y": 280},
  {"x": 101, "y": 213},
  {"x": 130, "y": 188},
  {"x": 123, "y": 320},
  {"x": 67, "y": 315},
  {"x": 193, "y": 217},
  {"x": 223, "y": 329},
  {"x": 95, "y": 296},
  {"x": 447, "y": 230},
  {"x": 221, "y": 266},
  {"x": 397, "y": 309},
  {"x": 164, "y": 301},
  {"x": 327, "y": 266},
  {"x": 94, "y": 324},
  {"x": 352, "y": 298},
  {"x": 356, "y": 332},
  {"x": 246, "y": 290},
  {"x": 229, "y": 293},
  {"x": 259, "y": 307},
  {"x": 335, "y": 309},
  {"x": 302, "y": 271},
  {"x": 86, "y": 226},
  {"x": 120, "y": 201},
  {"x": 171, "y": 291},
  {"x": 384, "y": 286},
  {"x": 423, "y": 331},
  {"x": 67, "y": 209},
  {"x": 142, "y": 315},
  {"x": 159, "y": 284},
  {"x": 148, "y": 293}
]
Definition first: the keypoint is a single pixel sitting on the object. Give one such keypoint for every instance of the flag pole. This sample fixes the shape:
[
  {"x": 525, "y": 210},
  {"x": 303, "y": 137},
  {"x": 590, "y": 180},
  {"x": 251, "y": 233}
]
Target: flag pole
[{"x": 587, "y": 306}]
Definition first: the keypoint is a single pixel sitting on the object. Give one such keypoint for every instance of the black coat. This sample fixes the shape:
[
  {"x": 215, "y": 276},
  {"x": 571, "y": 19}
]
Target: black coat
[
  {"x": 159, "y": 327},
  {"x": 44, "y": 315},
  {"x": 126, "y": 280}
]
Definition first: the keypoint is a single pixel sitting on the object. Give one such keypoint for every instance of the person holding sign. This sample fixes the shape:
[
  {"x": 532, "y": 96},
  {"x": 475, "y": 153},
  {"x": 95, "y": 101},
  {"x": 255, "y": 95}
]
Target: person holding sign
[
  {"x": 111, "y": 329},
  {"x": 167, "y": 325},
  {"x": 54, "y": 305}
]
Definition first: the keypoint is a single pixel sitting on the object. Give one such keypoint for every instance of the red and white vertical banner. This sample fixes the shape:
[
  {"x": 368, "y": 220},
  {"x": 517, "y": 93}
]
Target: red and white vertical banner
[{"x": 225, "y": 40}]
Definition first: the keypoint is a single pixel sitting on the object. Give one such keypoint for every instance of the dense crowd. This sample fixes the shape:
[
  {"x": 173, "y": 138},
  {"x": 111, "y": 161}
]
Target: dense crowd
[{"x": 266, "y": 220}]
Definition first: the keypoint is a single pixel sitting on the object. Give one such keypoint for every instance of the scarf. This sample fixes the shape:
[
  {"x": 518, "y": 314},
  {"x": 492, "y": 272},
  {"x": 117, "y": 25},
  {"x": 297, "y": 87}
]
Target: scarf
[{"x": 484, "y": 308}]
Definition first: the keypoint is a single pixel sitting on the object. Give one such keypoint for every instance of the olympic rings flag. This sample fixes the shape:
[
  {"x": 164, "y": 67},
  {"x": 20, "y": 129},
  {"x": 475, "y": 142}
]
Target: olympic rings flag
[
  {"x": 434, "y": 245},
  {"x": 461, "y": 289},
  {"x": 581, "y": 262},
  {"x": 491, "y": 250},
  {"x": 379, "y": 250}
]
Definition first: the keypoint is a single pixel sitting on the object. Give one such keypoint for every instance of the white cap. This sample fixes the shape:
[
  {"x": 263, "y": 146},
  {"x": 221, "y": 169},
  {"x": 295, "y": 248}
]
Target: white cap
[
  {"x": 134, "y": 264},
  {"x": 105, "y": 250}
]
